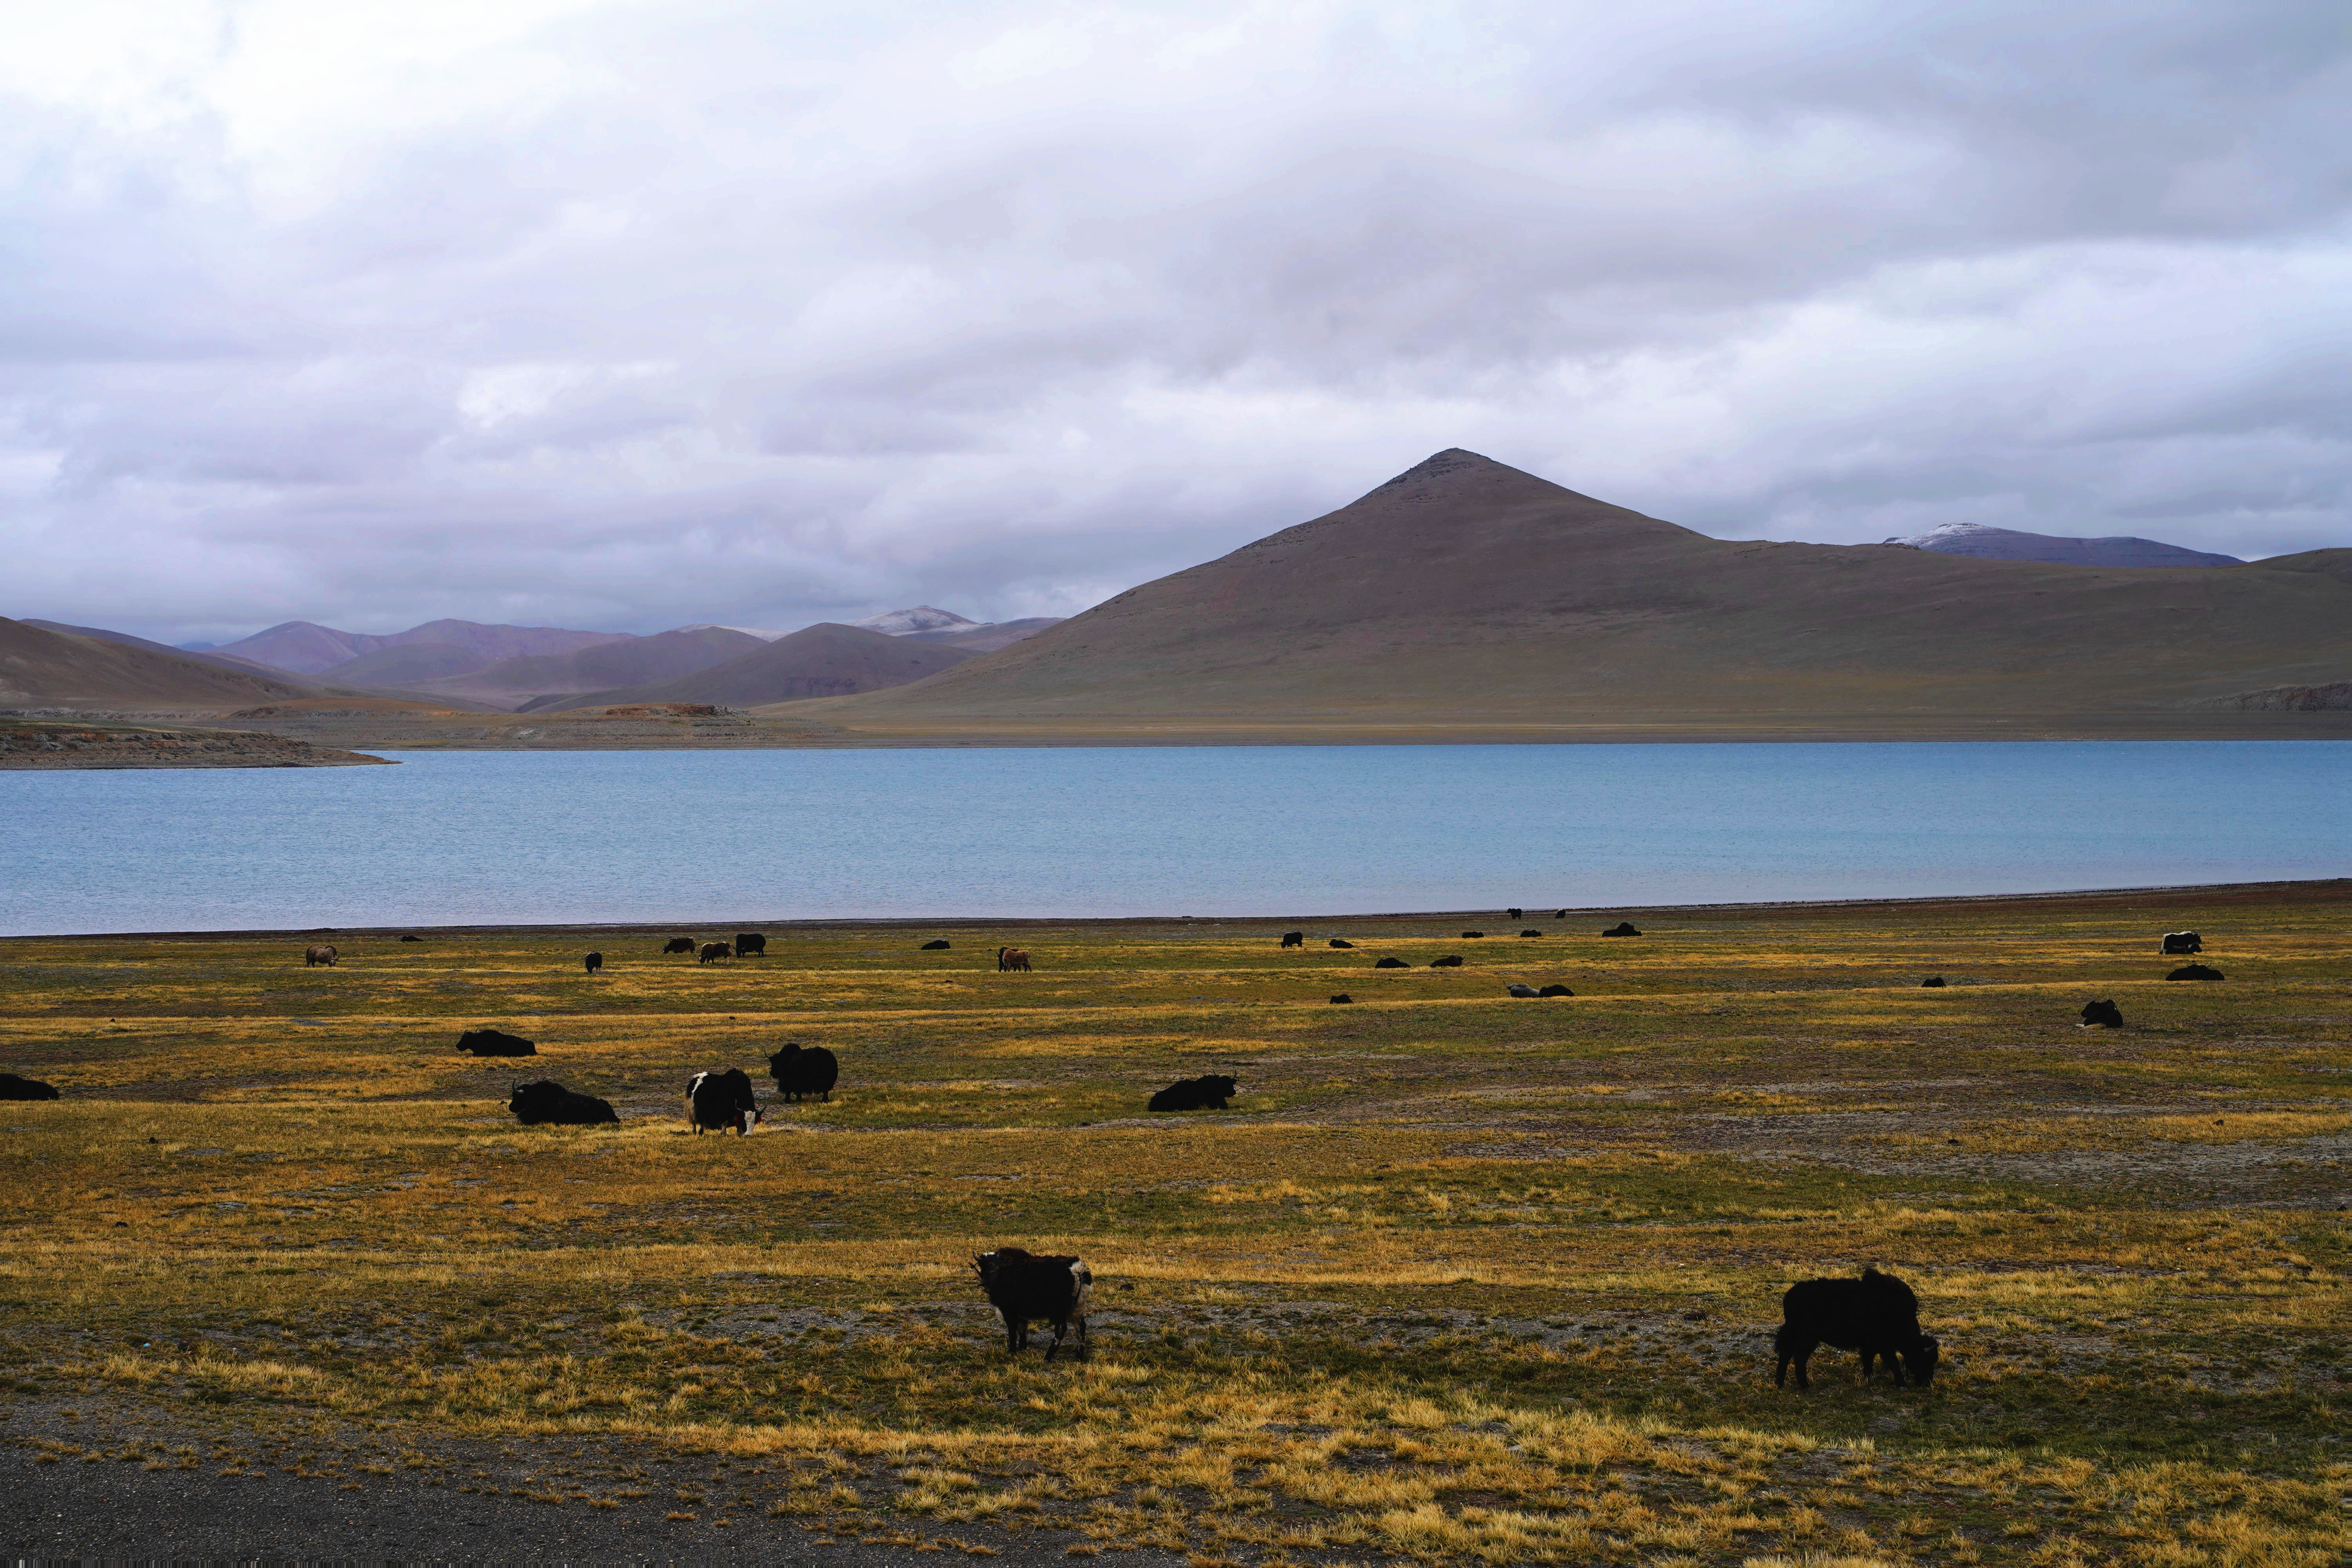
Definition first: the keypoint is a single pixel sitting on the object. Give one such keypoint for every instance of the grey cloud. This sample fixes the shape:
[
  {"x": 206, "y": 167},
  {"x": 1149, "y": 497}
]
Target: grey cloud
[{"x": 623, "y": 316}]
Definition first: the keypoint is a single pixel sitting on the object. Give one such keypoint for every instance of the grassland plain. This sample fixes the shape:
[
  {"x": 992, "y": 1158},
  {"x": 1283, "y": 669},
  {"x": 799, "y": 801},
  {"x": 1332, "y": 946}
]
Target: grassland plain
[{"x": 1459, "y": 1277}]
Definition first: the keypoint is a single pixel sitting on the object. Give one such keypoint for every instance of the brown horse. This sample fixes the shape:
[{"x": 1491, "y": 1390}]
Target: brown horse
[
  {"x": 314, "y": 956},
  {"x": 1011, "y": 958}
]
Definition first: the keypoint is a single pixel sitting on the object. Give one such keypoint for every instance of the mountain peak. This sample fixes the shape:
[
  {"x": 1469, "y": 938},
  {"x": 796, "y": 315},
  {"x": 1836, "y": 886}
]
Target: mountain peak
[{"x": 921, "y": 618}]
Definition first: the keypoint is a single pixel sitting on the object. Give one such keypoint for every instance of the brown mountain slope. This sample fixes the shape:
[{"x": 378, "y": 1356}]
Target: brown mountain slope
[
  {"x": 227, "y": 661},
  {"x": 310, "y": 648},
  {"x": 639, "y": 661},
  {"x": 1466, "y": 594},
  {"x": 40, "y": 668},
  {"x": 822, "y": 660}
]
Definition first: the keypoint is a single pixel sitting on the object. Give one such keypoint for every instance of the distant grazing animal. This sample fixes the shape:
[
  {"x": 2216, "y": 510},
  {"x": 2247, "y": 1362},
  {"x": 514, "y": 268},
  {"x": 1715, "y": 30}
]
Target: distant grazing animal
[
  {"x": 712, "y": 951},
  {"x": 1560, "y": 914},
  {"x": 1343, "y": 996},
  {"x": 496, "y": 1043},
  {"x": 1392, "y": 964},
  {"x": 1516, "y": 914},
  {"x": 1010, "y": 958},
  {"x": 1555, "y": 991},
  {"x": 1208, "y": 1092},
  {"x": 412, "y": 939},
  {"x": 939, "y": 946},
  {"x": 1449, "y": 962},
  {"x": 1622, "y": 928},
  {"x": 678, "y": 945},
  {"x": 801, "y": 1071},
  {"x": 2182, "y": 941},
  {"x": 751, "y": 944},
  {"x": 1531, "y": 932},
  {"x": 1337, "y": 942},
  {"x": 1026, "y": 1288},
  {"x": 1877, "y": 1314},
  {"x": 2194, "y": 971},
  {"x": 15, "y": 1088},
  {"x": 1294, "y": 939},
  {"x": 1473, "y": 935},
  {"x": 593, "y": 962},
  {"x": 548, "y": 1102},
  {"x": 1933, "y": 983},
  {"x": 314, "y": 956},
  {"x": 721, "y": 1100},
  {"x": 1522, "y": 990},
  {"x": 2102, "y": 1016}
]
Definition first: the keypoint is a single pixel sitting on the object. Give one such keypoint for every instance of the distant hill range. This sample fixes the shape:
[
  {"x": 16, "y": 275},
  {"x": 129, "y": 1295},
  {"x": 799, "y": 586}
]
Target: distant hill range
[
  {"x": 1464, "y": 597},
  {"x": 2009, "y": 545},
  {"x": 308, "y": 649},
  {"x": 47, "y": 663},
  {"x": 824, "y": 660}
]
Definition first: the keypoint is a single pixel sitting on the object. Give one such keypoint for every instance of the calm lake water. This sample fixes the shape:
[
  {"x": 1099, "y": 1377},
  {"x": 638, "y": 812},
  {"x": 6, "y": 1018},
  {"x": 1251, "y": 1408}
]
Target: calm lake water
[{"x": 712, "y": 837}]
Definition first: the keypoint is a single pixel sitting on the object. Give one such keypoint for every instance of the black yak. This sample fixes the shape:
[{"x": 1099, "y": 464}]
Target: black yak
[
  {"x": 1342, "y": 997},
  {"x": 1294, "y": 939},
  {"x": 1531, "y": 931},
  {"x": 1473, "y": 935},
  {"x": 800, "y": 1072},
  {"x": 2194, "y": 971},
  {"x": 1208, "y": 1092},
  {"x": 1622, "y": 928},
  {"x": 939, "y": 946},
  {"x": 2102, "y": 1016},
  {"x": 1392, "y": 964},
  {"x": 1339, "y": 941},
  {"x": 1555, "y": 991},
  {"x": 1024, "y": 1288},
  {"x": 547, "y": 1103},
  {"x": 678, "y": 945},
  {"x": 15, "y": 1088},
  {"x": 1933, "y": 983},
  {"x": 751, "y": 944},
  {"x": 712, "y": 951},
  {"x": 1449, "y": 962},
  {"x": 592, "y": 962},
  {"x": 1877, "y": 1314},
  {"x": 496, "y": 1043},
  {"x": 720, "y": 1101}
]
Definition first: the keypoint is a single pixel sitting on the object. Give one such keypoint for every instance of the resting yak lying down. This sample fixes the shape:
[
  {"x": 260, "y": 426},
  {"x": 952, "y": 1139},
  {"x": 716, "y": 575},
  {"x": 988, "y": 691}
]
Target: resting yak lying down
[{"x": 1208, "y": 1092}]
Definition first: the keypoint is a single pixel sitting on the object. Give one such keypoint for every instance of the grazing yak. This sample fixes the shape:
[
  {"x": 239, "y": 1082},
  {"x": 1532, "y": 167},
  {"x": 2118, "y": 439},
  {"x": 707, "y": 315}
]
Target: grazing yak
[
  {"x": 314, "y": 956},
  {"x": 720, "y": 1101},
  {"x": 1027, "y": 1288},
  {"x": 593, "y": 962},
  {"x": 1522, "y": 990},
  {"x": 1531, "y": 931},
  {"x": 1622, "y": 928},
  {"x": 2182, "y": 943},
  {"x": 1342, "y": 997},
  {"x": 1933, "y": 983},
  {"x": 1450, "y": 960},
  {"x": 549, "y": 1103},
  {"x": 678, "y": 945},
  {"x": 496, "y": 1043},
  {"x": 1339, "y": 942},
  {"x": 801, "y": 1072},
  {"x": 2194, "y": 971},
  {"x": 1560, "y": 914},
  {"x": 1294, "y": 939},
  {"x": 1392, "y": 964},
  {"x": 941, "y": 945},
  {"x": 1555, "y": 991},
  {"x": 1011, "y": 958},
  {"x": 1516, "y": 914},
  {"x": 751, "y": 944},
  {"x": 2102, "y": 1016},
  {"x": 15, "y": 1088},
  {"x": 1208, "y": 1092},
  {"x": 1877, "y": 1314},
  {"x": 712, "y": 951}
]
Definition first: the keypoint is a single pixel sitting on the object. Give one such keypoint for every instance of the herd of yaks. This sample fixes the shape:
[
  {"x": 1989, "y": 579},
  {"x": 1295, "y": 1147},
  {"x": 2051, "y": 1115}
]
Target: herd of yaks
[{"x": 1877, "y": 1316}]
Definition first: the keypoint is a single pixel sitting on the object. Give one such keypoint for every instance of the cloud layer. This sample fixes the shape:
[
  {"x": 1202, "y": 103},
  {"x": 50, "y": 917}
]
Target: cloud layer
[{"x": 628, "y": 315}]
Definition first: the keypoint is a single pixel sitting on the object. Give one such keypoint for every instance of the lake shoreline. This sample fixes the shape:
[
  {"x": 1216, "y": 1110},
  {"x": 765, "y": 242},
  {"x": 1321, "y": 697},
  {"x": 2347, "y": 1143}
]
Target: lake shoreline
[{"x": 2315, "y": 889}]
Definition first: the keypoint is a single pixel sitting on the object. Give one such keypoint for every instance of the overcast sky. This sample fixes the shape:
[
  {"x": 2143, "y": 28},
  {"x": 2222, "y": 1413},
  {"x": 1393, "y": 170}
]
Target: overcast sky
[{"x": 625, "y": 316}]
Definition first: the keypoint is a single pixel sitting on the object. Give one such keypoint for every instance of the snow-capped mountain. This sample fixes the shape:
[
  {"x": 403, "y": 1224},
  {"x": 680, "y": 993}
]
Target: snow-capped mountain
[
  {"x": 921, "y": 618},
  {"x": 2007, "y": 544}
]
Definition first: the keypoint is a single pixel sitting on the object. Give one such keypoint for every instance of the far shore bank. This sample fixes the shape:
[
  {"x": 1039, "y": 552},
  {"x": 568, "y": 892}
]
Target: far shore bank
[{"x": 2321, "y": 889}]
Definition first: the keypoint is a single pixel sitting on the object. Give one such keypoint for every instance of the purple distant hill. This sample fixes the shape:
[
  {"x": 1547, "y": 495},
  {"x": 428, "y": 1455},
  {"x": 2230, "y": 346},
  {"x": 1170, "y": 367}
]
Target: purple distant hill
[{"x": 2009, "y": 545}]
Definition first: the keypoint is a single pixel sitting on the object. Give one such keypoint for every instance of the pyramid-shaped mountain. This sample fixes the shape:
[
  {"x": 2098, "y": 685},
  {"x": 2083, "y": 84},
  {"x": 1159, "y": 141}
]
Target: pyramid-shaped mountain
[{"x": 1465, "y": 593}]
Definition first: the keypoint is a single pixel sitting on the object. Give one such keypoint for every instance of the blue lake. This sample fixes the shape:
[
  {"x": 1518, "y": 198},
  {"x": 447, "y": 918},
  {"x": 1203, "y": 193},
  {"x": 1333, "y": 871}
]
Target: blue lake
[{"x": 711, "y": 837}]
